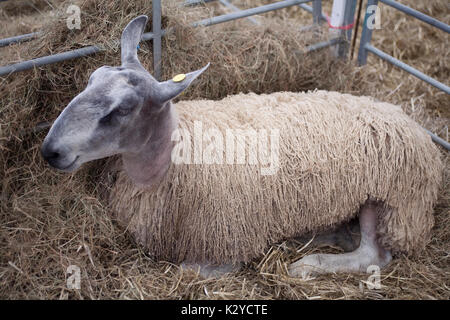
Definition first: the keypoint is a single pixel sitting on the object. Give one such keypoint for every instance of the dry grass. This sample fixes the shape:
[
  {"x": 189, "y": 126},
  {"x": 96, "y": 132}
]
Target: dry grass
[{"x": 50, "y": 221}]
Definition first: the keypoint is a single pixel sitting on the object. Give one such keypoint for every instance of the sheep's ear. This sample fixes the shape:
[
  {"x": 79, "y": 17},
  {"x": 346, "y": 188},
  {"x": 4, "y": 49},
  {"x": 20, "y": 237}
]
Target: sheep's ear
[
  {"x": 131, "y": 36},
  {"x": 168, "y": 90}
]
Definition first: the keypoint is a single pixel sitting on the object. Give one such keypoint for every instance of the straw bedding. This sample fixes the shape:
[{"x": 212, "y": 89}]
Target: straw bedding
[
  {"x": 335, "y": 152},
  {"x": 50, "y": 220}
]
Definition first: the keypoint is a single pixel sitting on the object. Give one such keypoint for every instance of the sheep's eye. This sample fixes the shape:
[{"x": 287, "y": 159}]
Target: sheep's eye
[
  {"x": 119, "y": 112},
  {"x": 107, "y": 119},
  {"x": 123, "y": 111}
]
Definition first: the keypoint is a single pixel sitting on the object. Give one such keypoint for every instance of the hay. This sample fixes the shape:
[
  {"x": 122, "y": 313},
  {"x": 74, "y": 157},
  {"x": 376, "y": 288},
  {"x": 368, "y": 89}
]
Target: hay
[
  {"x": 51, "y": 220},
  {"x": 21, "y": 7},
  {"x": 335, "y": 152}
]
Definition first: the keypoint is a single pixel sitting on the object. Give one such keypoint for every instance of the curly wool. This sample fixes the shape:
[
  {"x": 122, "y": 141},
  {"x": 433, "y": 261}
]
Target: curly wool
[{"x": 336, "y": 151}]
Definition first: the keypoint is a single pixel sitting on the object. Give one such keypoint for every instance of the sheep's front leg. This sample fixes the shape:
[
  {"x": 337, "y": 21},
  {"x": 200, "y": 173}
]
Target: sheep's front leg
[
  {"x": 368, "y": 253},
  {"x": 209, "y": 270}
]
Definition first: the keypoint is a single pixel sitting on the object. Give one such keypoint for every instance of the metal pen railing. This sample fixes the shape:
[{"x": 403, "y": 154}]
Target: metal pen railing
[
  {"x": 366, "y": 38},
  {"x": 365, "y": 47},
  {"x": 157, "y": 34}
]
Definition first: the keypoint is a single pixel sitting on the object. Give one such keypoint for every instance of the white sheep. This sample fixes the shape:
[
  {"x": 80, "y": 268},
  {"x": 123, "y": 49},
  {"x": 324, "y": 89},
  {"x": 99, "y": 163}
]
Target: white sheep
[{"x": 213, "y": 183}]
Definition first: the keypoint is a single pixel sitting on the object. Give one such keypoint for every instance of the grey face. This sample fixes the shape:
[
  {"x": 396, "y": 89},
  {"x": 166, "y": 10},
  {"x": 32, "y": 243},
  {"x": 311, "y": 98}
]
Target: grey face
[
  {"x": 100, "y": 120},
  {"x": 116, "y": 111}
]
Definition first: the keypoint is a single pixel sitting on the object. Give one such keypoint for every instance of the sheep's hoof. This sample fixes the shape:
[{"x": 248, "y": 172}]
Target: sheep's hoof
[
  {"x": 306, "y": 268},
  {"x": 210, "y": 271}
]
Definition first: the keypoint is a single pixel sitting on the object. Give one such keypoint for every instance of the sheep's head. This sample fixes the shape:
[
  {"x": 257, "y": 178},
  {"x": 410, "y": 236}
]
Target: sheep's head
[{"x": 117, "y": 111}]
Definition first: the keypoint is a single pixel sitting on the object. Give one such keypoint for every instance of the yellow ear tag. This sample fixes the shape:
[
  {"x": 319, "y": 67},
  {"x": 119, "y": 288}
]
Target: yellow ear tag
[{"x": 179, "y": 77}]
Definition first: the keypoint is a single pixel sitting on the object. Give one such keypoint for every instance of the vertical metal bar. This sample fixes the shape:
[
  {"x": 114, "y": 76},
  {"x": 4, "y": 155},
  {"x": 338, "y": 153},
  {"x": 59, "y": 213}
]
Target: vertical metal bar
[
  {"x": 156, "y": 8},
  {"x": 356, "y": 27},
  {"x": 336, "y": 20},
  {"x": 349, "y": 16},
  {"x": 366, "y": 35},
  {"x": 317, "y": 11}
]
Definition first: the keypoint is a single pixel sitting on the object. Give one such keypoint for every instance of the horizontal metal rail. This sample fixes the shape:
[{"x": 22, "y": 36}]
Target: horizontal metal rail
[
  {"x": 196, "y": 2},
  {"x": 59, "y": 57},
  {"x": 418, "y": 15},
  {"x": 439, "y": 140},
  {"x": 324, "y": 44},
  {"x": 18, "y": 39},
  {"x": 248, "y": 12},
  {"x": 234, "y": 8},
  {"x": 86, "y": 51},
  {"x": 407, "y": 68}
]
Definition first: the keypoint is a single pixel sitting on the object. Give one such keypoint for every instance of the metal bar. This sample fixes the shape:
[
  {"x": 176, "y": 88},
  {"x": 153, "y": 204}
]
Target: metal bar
[
  {"x": 25, "y": 65},
  {"x": 196, "y": 2},
  {"x": 342, "y": 15},
  {"x": 234, "y": 8},
  {"x": 407, "y": 68},
  {"x": 156, "y": 8},
  {"x": 356, "y": 27},
  {"x": 439, "y": 140},
  {"x": 317, "y": 11},
  {"x": 323, "y": 44},
  {"x": 248, "y": 12},
  {"x": 366, "y": 35},
  {"x": 18, "y": 39},
  {"x": 310, "y": 10},
  {"x": 349, "y": 17},
  {"x": 418, "y": 15}
]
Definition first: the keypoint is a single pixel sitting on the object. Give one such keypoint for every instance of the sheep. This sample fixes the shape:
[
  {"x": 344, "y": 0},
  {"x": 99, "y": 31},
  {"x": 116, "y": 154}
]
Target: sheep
[{"x": 211, "y": 184}]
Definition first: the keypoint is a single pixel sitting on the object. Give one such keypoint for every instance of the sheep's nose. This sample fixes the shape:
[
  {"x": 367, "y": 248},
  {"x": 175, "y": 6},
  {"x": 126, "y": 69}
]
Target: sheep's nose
[{"x": 50, "y": 153}]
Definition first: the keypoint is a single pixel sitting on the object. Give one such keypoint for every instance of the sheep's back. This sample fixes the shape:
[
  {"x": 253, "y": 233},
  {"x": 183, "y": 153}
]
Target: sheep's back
[{"x": 335, "y": 151}]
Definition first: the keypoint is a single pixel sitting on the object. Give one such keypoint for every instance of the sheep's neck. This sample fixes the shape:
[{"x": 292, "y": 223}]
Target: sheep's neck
[{"x": 150, "y": 164}]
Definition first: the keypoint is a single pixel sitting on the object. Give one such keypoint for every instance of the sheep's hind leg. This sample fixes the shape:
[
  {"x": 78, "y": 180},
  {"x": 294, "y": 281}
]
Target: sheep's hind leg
[
  {"x": 210, "y": 271},
  {"x": 368, "y": 253}
]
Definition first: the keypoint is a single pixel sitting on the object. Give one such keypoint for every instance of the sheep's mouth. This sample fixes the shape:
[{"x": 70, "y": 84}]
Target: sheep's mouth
[{"x": 71, "y": 167}]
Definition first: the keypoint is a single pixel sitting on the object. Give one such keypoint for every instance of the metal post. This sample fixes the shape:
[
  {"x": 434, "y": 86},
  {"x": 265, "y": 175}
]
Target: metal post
[
  {"x": 156, "y": 8},
  {"x": 341, "y": 21},
  {"x": 317, "y": 11},
  {"x": 366, "y": 35},
  {"x": 335, "y": 21},
  {"x": 350, "y": 17}
]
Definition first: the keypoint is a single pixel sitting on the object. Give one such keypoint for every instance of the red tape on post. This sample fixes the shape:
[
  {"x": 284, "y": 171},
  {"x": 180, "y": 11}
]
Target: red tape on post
[{"x": 347, "y": 27}]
